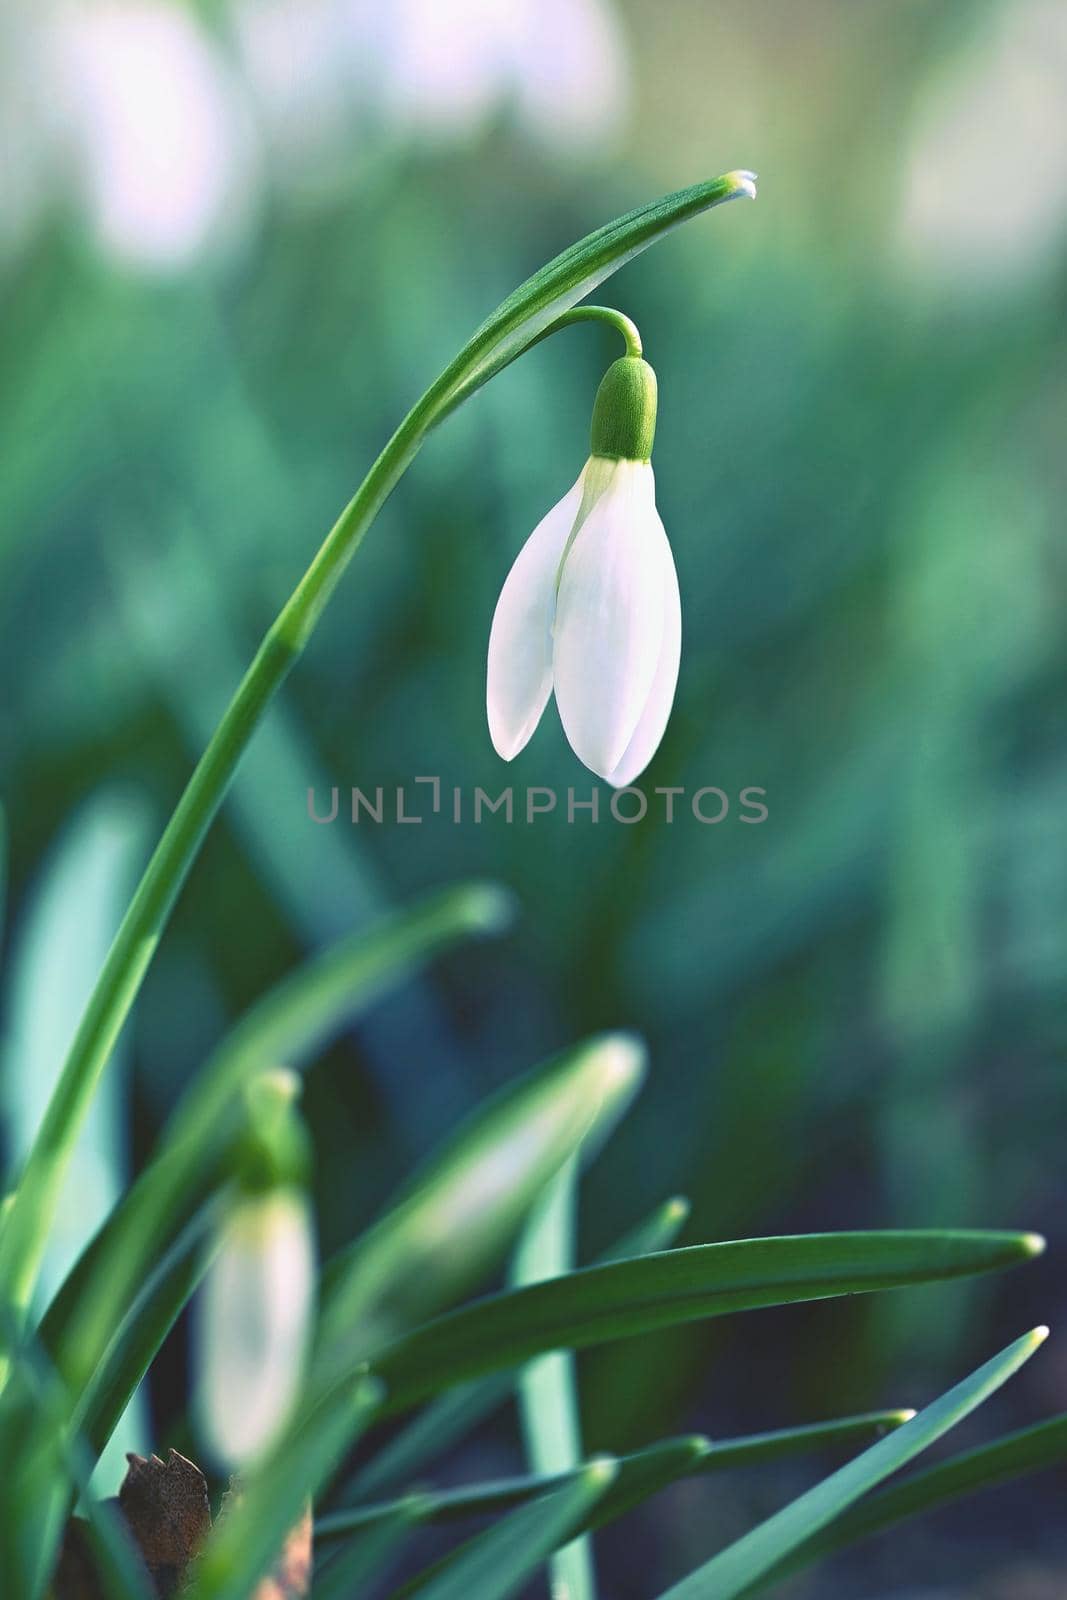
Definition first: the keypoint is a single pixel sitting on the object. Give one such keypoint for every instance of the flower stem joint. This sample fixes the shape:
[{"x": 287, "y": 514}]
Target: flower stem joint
[{"x": 590, "y": 610}]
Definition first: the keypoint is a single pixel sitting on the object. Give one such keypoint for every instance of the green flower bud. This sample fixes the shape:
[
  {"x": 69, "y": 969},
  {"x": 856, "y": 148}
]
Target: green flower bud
[
  {"x": 624, "y": 412},
  {"x": 273, "y": 1150}
]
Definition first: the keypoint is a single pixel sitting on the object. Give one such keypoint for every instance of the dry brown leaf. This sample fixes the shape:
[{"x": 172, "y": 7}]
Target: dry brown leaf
[{"x": 164, "y": 1504}]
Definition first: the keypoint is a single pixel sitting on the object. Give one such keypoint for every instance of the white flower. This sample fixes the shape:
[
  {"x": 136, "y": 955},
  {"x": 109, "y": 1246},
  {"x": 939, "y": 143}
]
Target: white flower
[
  {"x": 141, "y": 115},
  {"x": 254, "y": 1323},
  {"x": 591, "y": 610}
]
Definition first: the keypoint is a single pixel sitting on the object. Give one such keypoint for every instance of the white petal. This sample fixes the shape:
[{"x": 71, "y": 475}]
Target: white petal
[
  {"x": 654, "y": 717},
  {"x": 253, "y": 1325},
  {"x": 519, "y": 677},
  {"x": 609, "y": 618}
]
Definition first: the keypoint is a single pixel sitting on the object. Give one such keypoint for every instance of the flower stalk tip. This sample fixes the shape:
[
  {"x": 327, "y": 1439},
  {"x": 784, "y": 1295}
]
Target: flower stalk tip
[{"x": 744, "y": 183}]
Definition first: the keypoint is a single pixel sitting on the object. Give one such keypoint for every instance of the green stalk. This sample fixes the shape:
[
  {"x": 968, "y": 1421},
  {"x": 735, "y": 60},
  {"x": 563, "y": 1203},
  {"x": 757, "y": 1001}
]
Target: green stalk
[{"x": 526, "y": 316}]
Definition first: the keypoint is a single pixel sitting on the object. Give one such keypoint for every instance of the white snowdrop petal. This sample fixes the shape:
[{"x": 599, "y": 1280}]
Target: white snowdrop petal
[
  {"x": 653, "y": 721},
  {"x": 163, "y": 149},
  {"x": 609, "y": 619},
  {"x": 519, "y": 676},
  {"x": 253, "y": 1326}
]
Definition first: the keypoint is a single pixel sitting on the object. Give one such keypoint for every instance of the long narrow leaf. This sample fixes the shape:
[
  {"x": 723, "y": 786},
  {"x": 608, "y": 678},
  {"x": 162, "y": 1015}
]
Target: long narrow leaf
[
  {"x": 62, "y": 940},
  {"x": 657, "y": 1231},
  {"x": 465, "y": 1207},
  {"x": 742, "y": 1566},
  {"x": 450, "y": 1417},
  {"x": 496, "y": 1564},
  {"x": 530, "y": 310},
  {"x": 1014, "y": 1456},
  {"x": 457, "y": 1412},
  {"x": 53, "y": 1467},
  {"x": 640, "y": 1474},
  {"x": 629, "y": 1297},
  {"x": 548, "y": 1387},
  {"x": 142, "y": 1330},
  {"x": 755, "y": 1448},
  {"x": 361, "y": 1559}
]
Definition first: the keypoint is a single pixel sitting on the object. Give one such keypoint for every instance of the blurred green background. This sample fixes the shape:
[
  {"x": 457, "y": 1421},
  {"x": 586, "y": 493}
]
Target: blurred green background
[{"x": 236, "y": 241}]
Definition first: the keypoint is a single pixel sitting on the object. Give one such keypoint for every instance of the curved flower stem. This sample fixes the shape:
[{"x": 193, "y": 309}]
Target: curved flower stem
[
  {"x": 545, "y": 302},
  {"x": 25, "y": 1229},
  {"x": 615, "y": 319}
]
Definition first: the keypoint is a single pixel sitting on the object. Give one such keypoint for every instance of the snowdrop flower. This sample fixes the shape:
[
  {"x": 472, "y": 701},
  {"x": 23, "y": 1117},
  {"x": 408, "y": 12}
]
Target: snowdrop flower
[
  {"x": 254, "y": 1320},
  {"x": 590, "y": 608},
  {"x": 255, "y": 1308},
  {"x": 156, "y": 129}
]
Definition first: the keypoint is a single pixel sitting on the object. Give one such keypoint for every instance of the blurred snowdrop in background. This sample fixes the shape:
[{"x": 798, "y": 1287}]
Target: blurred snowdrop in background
[
  {"x": 129, "y": 112},
  {"x": 559, "y": 65},
  {"x": 986, "y": 197},
  {"x": 158, "y": 136},
  {"x": 164, "y": 134}
]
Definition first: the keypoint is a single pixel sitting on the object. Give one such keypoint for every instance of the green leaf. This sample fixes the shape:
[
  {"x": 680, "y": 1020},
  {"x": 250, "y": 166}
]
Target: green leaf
[
  {"x": 75, "y": 906},
  {"x": 461, "y": 1409},
  {"x": 657, "y": 1231},
  {"x": 245, "y": 1541},
  {"x": 637, "y": 1476},
  {"x": 141, "y": 1333},
  {"x": 359, "y": 1562},
  {"x": 630, "y": 1297},
  {"x": 528, "y": 313},
  {"x": 640, "y": 1474},
  {"x": 287, "y": 1025},
  {"x": 53, "y": 1468},
  {"x": 745, "y": 1564},
  {"x": 428, "y": 1435},
  {"x": 547, "y": 1387},
  {"x": 755, "y": 1448},
  {"x": 1014, "y": 1456},
  {"x": 464, "y": 1208},
  {"x": 496, "y": 1563}
]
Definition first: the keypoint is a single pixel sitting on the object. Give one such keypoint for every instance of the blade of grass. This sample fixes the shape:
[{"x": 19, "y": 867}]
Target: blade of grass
[
  {"x": 640, "y": 1474},
  {"x": 446, "y": 1419},
  {"x": 754, "y": 1449},
  {"x": 75, "y": 905},
  {"x": 141, "y": 1332},
  {"x": 744, "y": 1565},
  {"x": 547, "y": 1387},
  {"x": 1014, "y": 1456},
  {"x": 628, "y": 1297},
  {"x": 657, "y": 1231},
  {"x": 466, "y": 1205},
  {"x": 460, "y": 1410},
  {"x": 361, "y": 1559},
  {"x": 54, "y": 1466},
  {"x": 496, "y": 1563}
]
